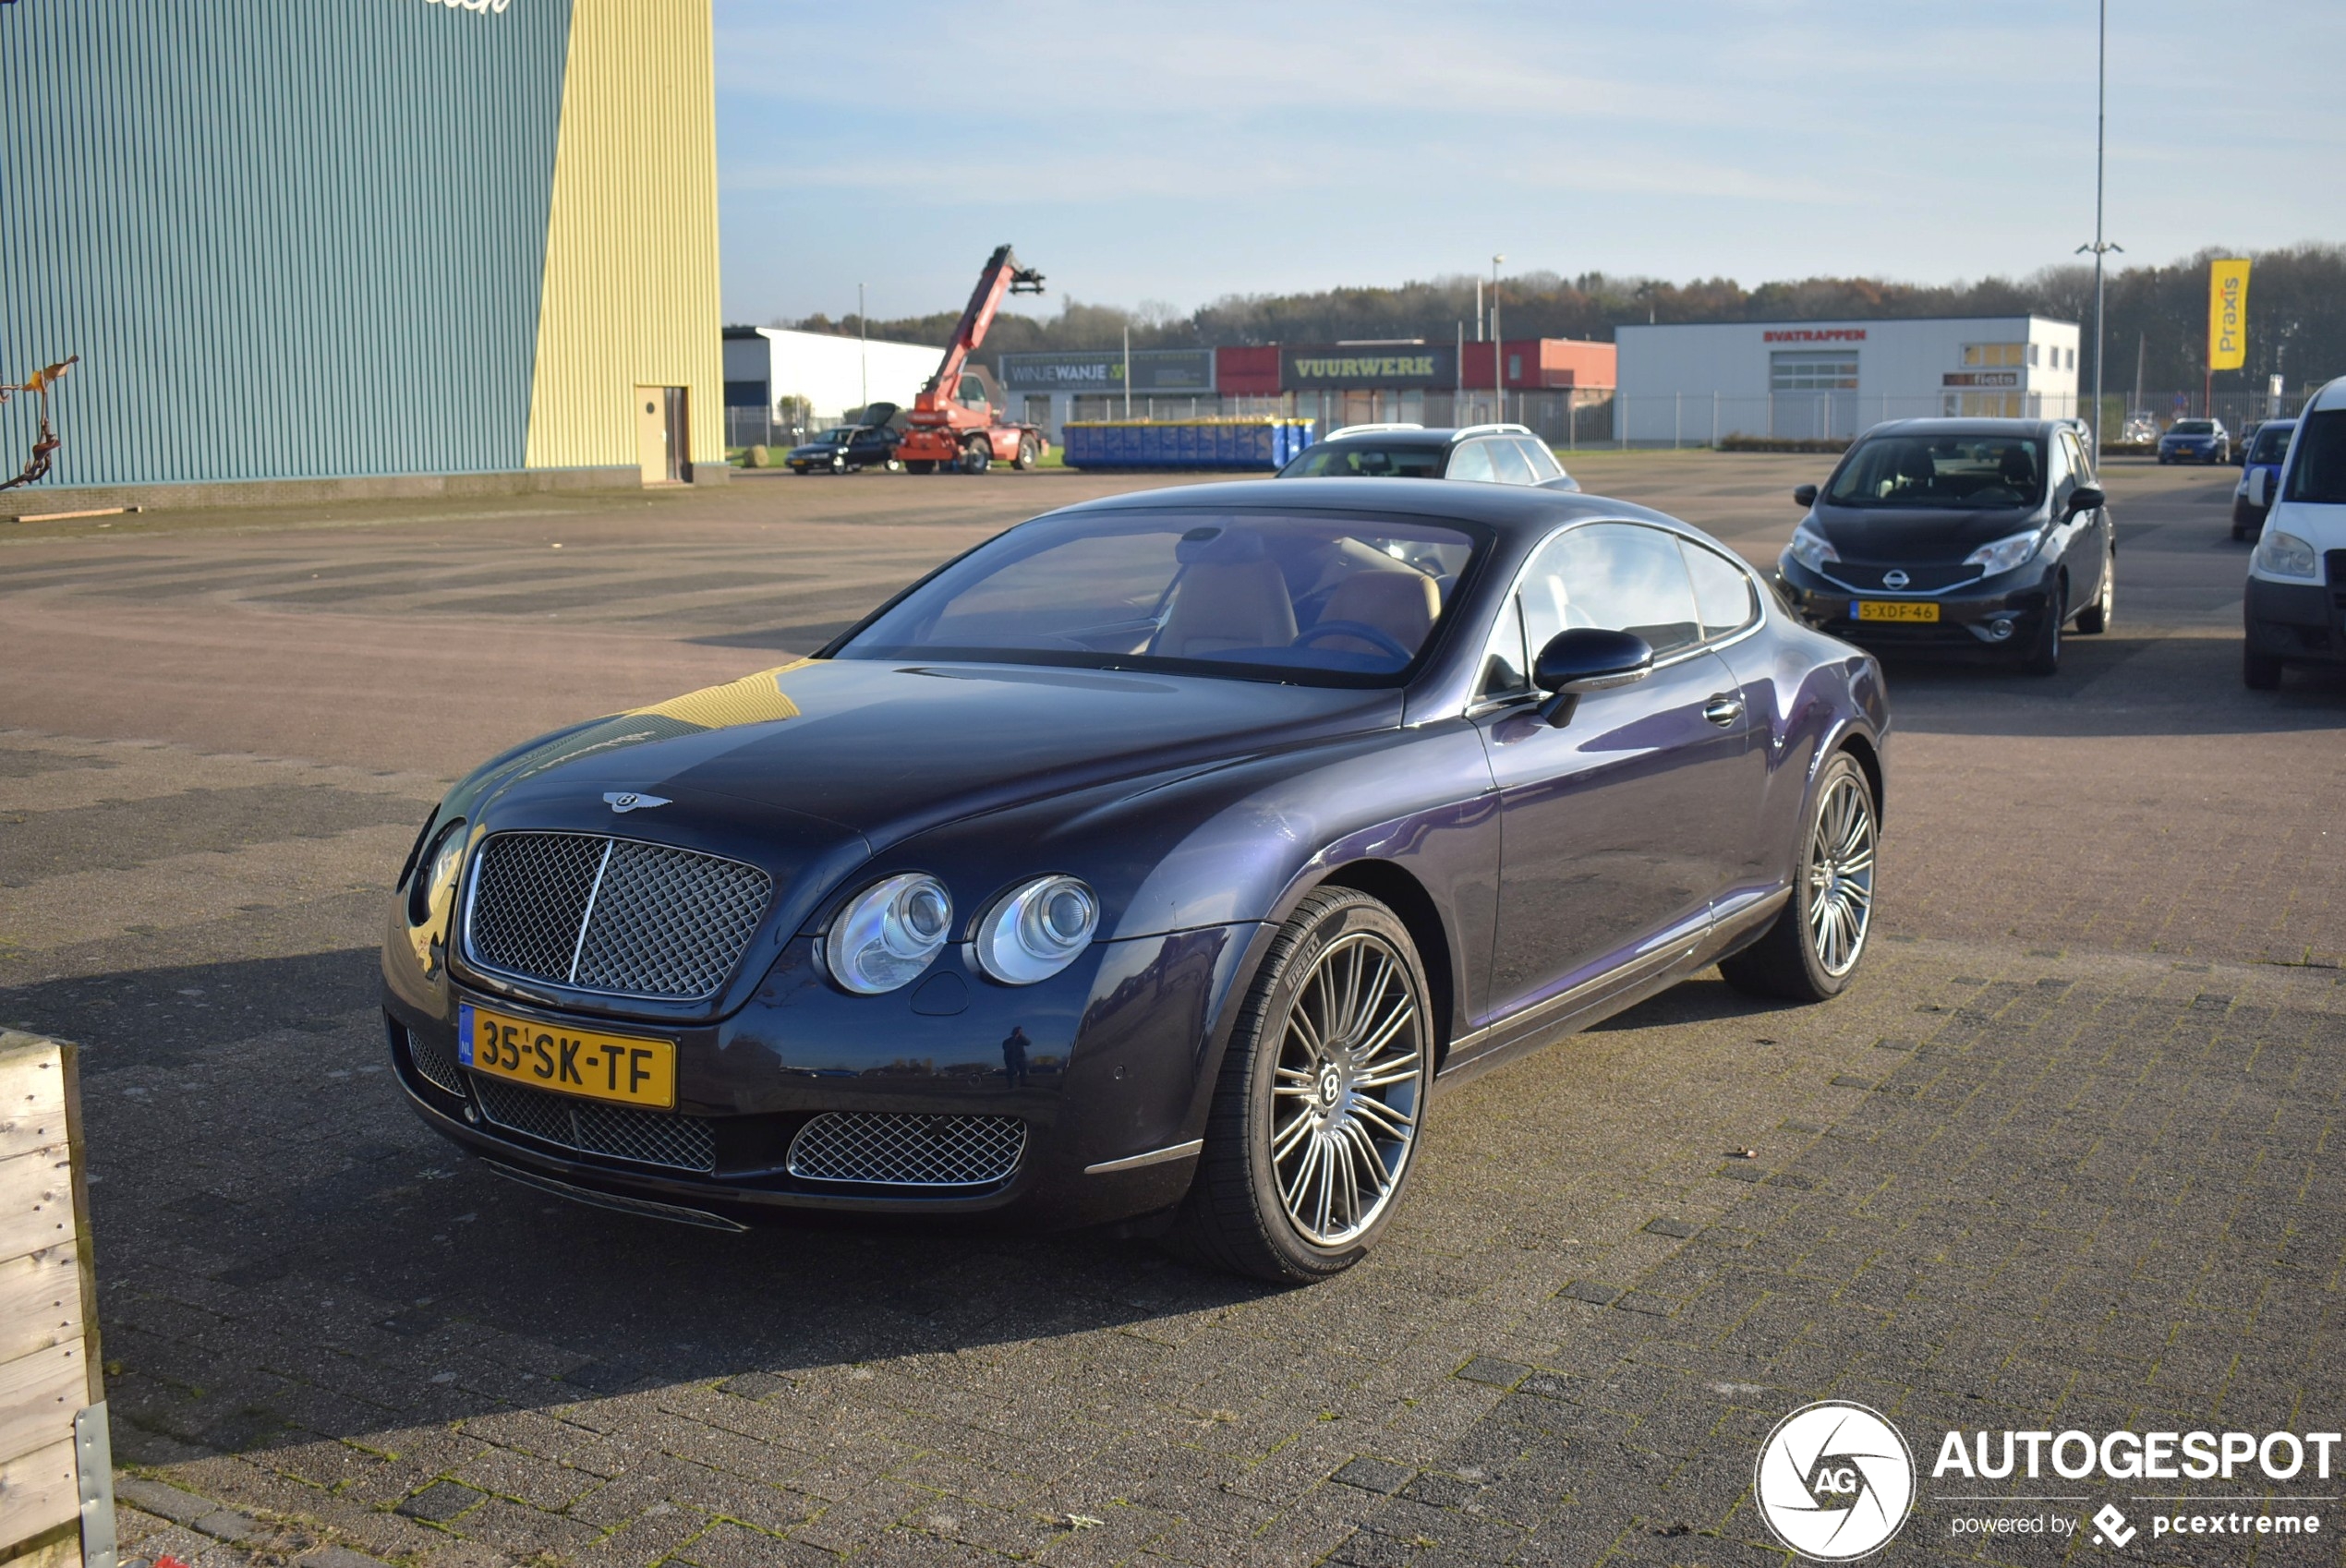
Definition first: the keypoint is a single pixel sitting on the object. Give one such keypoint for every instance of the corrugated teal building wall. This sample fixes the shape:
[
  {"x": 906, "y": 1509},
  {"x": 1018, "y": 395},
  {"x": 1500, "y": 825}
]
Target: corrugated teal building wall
[{"x": 312, "y": 241}]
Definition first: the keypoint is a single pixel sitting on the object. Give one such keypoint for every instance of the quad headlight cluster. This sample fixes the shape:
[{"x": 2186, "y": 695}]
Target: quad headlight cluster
[
  {"x": 435, "y": 874},
  {"x": 891, "y": 931}
]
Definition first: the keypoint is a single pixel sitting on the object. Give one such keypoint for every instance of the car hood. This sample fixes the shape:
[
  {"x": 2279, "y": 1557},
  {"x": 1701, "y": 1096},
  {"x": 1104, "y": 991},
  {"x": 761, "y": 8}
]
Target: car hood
[
  {"x": 1884, "y": 538},
  {"x": 882, "y": 750}
]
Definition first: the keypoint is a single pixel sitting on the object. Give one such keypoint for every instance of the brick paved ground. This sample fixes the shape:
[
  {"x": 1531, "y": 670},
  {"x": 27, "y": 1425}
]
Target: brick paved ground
[{"x": 2067, "y": 1157}]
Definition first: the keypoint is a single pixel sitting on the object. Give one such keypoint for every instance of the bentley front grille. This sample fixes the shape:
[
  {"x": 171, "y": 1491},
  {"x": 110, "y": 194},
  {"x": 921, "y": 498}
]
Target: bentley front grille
[
  {"x": 890, "y": 1149},
  {"x": 618, "y": 1132},
  {"x": 615, "y": 915}
]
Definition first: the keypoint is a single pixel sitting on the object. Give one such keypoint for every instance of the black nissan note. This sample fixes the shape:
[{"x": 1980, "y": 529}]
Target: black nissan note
[{"x": 1957, "y": 534}]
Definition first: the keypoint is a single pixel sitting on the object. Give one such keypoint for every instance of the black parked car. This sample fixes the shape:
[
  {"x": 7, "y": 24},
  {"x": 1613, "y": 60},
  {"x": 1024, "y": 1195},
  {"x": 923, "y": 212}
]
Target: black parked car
[
  {"x": 1494, "y": 454},
  {"x": 1153, "y": 858},
  {"x": 869, "y": 443},
  {"x": 1957, "y": 533}
]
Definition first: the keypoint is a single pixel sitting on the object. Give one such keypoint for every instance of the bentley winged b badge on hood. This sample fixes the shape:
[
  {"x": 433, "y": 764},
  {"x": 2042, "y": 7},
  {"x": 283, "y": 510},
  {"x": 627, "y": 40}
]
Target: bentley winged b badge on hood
[{"x": 624, "y": 800}]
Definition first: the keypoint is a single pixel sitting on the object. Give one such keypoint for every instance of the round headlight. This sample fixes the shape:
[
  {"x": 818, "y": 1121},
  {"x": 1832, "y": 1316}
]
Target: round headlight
[
  {"x": 435, "y": 874},
  {"x": 889, "y": 932},
  {"x": 1036, "y": 929}
]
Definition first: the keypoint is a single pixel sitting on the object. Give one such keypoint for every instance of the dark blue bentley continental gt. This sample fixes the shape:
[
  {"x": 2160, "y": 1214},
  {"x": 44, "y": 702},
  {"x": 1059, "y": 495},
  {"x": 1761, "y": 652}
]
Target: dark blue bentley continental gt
[{"x": 1152, "y": 861}]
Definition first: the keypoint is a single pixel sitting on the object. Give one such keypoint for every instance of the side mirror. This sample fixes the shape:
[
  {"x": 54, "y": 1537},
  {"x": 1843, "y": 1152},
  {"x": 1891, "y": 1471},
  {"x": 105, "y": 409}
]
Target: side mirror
[
  {"x": 2260, "y": 484},
  {"x": 1806, "y": 495},
  {"x": 2085, "y": 498},
  {"x": 1584, "y": 660}
]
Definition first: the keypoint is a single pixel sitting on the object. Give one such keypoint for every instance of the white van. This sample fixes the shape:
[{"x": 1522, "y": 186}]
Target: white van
[{"x": 2296, "y": 598}]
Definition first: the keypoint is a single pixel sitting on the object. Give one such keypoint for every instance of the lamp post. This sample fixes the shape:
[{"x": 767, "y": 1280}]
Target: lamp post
[
  {"x": 2100, "y": 248},
  {"x": 1498, "y": 344},
  {"x": 864, "y": 345}
]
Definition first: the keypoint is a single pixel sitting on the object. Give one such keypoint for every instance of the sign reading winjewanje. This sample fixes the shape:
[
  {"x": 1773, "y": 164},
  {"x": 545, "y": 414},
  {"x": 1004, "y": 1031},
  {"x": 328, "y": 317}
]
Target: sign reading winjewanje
[{"x": 1153, "y": 371}]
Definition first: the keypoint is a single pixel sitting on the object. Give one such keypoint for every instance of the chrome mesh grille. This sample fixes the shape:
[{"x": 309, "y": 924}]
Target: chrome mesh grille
[
  {"x": 620, "y": 1132},
  {"x": 615, "y": 915},
  {"x": 904, "y": 1150}
]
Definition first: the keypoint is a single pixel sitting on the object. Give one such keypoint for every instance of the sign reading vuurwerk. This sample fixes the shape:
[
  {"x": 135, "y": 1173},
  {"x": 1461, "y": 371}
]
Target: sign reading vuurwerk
[
  {"x": 1153, "y": 371},
  {"x": 1368, "y": 365}
]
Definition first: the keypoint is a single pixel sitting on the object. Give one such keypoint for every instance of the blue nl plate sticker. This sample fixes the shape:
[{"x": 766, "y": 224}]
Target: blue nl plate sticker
[{"x": 465, "y": 1032}]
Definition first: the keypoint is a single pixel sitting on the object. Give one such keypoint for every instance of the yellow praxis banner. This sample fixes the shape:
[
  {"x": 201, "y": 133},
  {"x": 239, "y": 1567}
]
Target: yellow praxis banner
[{"x": 2227, "y": 314}]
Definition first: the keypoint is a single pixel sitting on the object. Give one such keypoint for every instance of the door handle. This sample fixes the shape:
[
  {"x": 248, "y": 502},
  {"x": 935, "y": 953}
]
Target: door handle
[{"x": 1724, "y": 709}]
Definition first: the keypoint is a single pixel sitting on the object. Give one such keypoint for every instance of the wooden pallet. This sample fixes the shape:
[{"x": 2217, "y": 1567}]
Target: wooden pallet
[{"x": 48, "y": 1361}]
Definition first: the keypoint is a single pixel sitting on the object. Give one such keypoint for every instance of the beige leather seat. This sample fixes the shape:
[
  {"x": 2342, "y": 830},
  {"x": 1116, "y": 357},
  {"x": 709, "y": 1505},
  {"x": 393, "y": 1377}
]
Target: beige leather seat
[
  {"x": 1221, "y": 605},
  {"x": 1400, "y": 604}
]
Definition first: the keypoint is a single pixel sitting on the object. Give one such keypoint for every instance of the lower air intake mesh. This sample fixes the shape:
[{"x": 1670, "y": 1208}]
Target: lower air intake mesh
[
  {"x": 904, "y": 1150},
  {"x": 618, "y": 1132}
]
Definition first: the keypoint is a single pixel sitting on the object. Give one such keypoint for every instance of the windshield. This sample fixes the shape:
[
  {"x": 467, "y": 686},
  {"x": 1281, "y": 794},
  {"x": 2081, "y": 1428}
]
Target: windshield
[
  {"x": 2192, "y": 428},
  {"x": 1344, "y": 460},
  {"x": 2317, "y": 464},
  {"x": 2272, "y": 442},
  {"x": 1983, "y": 472},
  {"x": 839, "y": 437},
  {"x": 1328, "y": 600}
]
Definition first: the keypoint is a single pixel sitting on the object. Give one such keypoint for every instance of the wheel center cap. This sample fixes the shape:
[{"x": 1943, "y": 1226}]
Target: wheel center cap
[{"x": 1331, "y": 1085}]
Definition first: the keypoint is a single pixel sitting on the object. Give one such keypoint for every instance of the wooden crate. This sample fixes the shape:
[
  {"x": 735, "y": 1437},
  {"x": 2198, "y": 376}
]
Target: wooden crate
[{"x": 48, "y": 1361}]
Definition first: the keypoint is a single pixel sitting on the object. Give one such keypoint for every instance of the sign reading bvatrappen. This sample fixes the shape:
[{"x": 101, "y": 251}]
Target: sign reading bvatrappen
[{"x": 471, "y": 4}]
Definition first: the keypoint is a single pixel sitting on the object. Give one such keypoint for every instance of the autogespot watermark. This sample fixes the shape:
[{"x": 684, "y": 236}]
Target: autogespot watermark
[{"x": 1836, "y": 1481}]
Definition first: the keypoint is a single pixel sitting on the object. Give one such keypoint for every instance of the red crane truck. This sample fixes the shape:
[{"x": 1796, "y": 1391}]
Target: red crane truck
[{"x": 956, "y": 422}]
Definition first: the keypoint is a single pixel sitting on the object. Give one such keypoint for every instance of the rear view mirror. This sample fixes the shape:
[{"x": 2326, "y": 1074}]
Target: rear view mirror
[
  {"x": 2085, "y": 498},
  {"x": 1806, "y": 495},
  {"x": 2259, "y": 486},
  {"x": 1584, "y": 660}
]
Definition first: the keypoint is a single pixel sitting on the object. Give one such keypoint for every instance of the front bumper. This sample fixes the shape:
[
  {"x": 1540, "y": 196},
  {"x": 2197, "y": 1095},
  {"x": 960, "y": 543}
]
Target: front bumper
[
  {"x": 2301, "y": 622},
  {"x": 2188, "y": 451},
  {"x": 1969, "y": 615},
  {"x": 1116, "y": 1067}
]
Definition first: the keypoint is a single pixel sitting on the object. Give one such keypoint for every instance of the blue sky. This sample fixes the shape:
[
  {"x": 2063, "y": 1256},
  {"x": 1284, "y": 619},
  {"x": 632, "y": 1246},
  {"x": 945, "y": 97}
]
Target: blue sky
[{"x": 1143, "y": 152}]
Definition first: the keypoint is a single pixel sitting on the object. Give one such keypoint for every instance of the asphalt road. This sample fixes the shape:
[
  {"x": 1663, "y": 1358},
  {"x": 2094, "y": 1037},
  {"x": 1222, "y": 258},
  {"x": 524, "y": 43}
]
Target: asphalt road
[{"x": 2066, "y": 1157}]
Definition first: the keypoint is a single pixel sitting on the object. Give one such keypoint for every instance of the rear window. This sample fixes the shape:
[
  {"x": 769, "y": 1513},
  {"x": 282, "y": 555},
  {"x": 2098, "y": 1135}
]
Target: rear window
[
  {"x": 2317, "y": 466},
  {"x": 1366, "y": 460}
]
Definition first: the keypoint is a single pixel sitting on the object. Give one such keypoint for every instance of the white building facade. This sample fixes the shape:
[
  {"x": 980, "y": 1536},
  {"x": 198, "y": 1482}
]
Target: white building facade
[
  {"x": 835, "y": 374},
  {"x": 1697, "y": 384}
]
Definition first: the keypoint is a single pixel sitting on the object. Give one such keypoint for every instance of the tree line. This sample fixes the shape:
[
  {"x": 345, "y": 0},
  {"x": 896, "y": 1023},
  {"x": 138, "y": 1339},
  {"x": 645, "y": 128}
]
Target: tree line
[{"x": 2157, "y": 315}]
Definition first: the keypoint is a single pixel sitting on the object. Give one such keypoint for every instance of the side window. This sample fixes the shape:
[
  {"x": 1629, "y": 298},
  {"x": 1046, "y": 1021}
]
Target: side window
[
  {"x": 1508, "y": 461},
  {"x": 1723, "y": 594},
  {"x": 1543, "y": 462},
  {"x": 1471, "y": 461},
  {"x": 973, "y": 392},
  {"x": 1506, "y": 668},
  {"x": 2084, "y": 470},
  {"x": 1616, "y": 575}
]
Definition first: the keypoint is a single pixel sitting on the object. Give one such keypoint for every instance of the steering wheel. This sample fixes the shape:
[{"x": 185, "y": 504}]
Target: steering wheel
[{"x": 1359, "y": 628}]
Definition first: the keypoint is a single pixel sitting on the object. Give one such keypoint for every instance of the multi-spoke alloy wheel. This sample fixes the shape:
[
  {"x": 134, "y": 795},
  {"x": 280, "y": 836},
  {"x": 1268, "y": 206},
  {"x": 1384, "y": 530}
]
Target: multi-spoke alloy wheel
[
  {"x": 1814, "y": 947},
  {"x": 1316, "y": 1113},
  {"x": 1345, "y": 1095},
  {"x": 1841, "y": 876}
]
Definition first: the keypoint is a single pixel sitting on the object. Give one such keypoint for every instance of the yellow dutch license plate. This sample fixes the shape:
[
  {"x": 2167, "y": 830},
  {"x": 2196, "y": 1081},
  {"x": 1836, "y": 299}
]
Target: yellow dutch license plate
[
  {"x": 1897, "y": 609},
  {"x": 625, "y": 1070}
]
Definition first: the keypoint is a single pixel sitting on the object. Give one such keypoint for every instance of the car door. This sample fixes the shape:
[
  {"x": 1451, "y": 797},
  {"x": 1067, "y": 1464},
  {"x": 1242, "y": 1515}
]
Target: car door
[
  {"x": 2090, "y": 537},
  {"x": 1618, "y": 828}
]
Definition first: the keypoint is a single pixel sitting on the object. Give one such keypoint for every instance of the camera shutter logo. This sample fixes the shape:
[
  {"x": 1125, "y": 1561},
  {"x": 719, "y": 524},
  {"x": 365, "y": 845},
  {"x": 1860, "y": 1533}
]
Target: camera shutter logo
[{"x": 1834, "y": 1481}]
